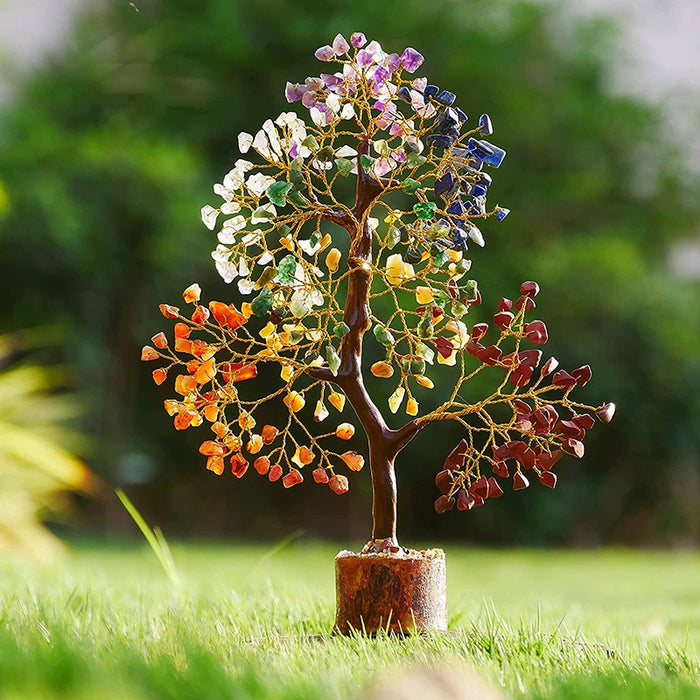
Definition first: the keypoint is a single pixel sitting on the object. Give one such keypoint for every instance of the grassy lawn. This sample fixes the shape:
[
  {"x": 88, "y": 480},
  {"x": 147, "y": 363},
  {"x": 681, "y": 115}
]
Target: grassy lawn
[{"x": 107, "y": 623}]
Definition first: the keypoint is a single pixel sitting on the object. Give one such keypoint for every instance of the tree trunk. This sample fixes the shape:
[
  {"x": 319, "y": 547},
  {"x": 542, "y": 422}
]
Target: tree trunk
[{"x": 381, "y": 463}]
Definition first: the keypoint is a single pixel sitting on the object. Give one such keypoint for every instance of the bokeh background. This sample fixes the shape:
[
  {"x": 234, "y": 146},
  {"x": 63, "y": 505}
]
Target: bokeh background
[{"x": 115, "y": 118}]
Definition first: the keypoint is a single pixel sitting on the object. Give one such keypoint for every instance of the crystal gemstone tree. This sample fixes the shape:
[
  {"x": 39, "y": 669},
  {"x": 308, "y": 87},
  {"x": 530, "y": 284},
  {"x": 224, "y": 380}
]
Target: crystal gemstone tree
[{"x": 348, "y": 227}]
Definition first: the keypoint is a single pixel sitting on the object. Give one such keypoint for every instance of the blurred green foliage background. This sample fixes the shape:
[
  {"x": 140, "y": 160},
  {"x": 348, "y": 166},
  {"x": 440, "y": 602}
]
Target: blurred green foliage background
[{"x": 107, "y": 154}]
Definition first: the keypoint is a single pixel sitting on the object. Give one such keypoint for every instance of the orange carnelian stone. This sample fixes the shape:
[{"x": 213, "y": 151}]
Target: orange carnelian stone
[
  {"x": 169, "y": 311},
  {"x": 205, "y": 372},
  {"x": 211, "y": 412},
  {"x": 339, "y": 484},
  {"x": 269, "y": 433},
  {"x": 239, "y": 464},
  {"x": 183, "y": 345},
  {"x": 209, "y": 447},
  {"x": 182, "y": 330},
  {"x": 192, "y": 293},
  {"x": 306, "y": 456},
  {"x": 159, "y": 340},
  {"x": 185, "y": 384},
  {"x": 353, "y": 460},
  {"x": 262, "y": 465},
  {"x": 345, "y": 431},
  {"x": 159, "y": 375},
  {"x": 293, "y": 478},
  {"x": 320, "y": 475},
  {"x": 255, "y": 444},
  {"x": 247, "y": 372},
  {"x": 182, "y": 420},
  {"x": 200, "y": 315},
  {"x": 215, "y": 464},
  {"x": 275, "y": 472},
  {"x": 219, "y": 429},
  {"x": 148, "y": 353}
]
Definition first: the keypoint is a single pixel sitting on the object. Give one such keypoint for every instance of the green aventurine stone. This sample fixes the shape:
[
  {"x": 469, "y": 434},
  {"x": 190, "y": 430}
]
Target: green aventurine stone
[
  {"x": 413, "y": 160},
  {"x": 333, "y": 360},
  {"x": 425, "y": 210},
  {"x": 298, "y": 199},
  {"x": 310, "y": 142},
  {"x": 277, "y": 193},
  {"x": 471, "y": 291},
  {"x": 325, "y": 154},
  {"x": 268, "y": 274},
  {"x": 439, "y": 259},
  {"x": 295, "y": 336},
  {"x": 367, "y": 163},
  {"x": 297, "y": 163},
  {"x": 410, "y": 186},
  {"x": 263, "y": 213},
  {"x": 393, "y": 237},
  {"x": 315, "y": 238},
  {"x": 283, "y": 230},
  {"x": 383, "y": 336},
  {"x": 341, "y": 330},
  {"x": 425, "y": 352},
  {"x": 413, "y": 365},
  {"x": 458, "y": 309},
  {"x": 424, "y": 328},
  {"x": 286, "y": 270},
  {"x": 344, "y": 166},
  {"x": 300, "y": 306},
  {"x": 262, "y": 304},
  {"x": 297, "y": 179},
  {"x": 464, "y": 265}
]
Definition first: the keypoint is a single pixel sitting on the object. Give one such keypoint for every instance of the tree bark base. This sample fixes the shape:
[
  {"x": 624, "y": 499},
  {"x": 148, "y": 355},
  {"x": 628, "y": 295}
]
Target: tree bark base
[{"x": 400, "y": 593}]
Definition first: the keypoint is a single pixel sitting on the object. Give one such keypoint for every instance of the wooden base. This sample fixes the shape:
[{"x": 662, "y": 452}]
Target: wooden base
[{"x": 399, "y": 593}]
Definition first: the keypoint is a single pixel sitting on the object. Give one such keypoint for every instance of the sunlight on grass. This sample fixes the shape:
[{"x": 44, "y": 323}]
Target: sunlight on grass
[{"x": 252, "y": 621}]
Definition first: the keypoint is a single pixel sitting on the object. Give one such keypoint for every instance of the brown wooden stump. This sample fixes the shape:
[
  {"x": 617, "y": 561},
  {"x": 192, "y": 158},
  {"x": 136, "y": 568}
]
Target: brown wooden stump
[{"x": 394, "y": 592}]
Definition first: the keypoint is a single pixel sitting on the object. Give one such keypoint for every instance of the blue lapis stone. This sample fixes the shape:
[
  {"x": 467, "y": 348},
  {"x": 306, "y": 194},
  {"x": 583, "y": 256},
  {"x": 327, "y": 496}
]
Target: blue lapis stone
[
  {"x": 485, "y": 125},
  {"x": 461, "y": 115},
  {"x": 478, "y": 191},
  {"x": 430, "y": 91},
  {"x": 477, "y": 206},
  {"x": 459, "y": 238},
  {"x": 484, "y": 179},
  {"x": 404, "y": 94},
  {"x": 457, "y": 207},
  {"x": 446, "y": 98},
  {"x": 447, "y": 118},
  {"x": 440, "y": 140},
  {"x": 487, "y": 152},
  {"x": 444, "y": 183},
  {"x": 501, "y": 213},
  {"x": 461, "y": 153},
  {"x": 403, "y": 234}
]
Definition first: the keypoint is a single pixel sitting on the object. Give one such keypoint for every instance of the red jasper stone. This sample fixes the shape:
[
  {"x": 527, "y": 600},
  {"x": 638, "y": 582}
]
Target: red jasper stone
[
  {"x": 582, "y": 375},
  {"x": 503, "y": 319},
  {"x": 479, "y": 330},
  {"x": 444, "y": 503},
  {"x": 606, "y": 413},
  {"x": 520, "y": 481},
  {"x": 494, "y": 488},
  {"x": 444, "y": 480},
  {"x": 549, "y": 479},
  {"x": 501, "y": 469}
]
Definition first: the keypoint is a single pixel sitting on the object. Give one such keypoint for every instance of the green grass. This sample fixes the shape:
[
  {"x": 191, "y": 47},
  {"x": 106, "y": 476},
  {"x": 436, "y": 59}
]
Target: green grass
[{"x": 108, "y": 623}]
